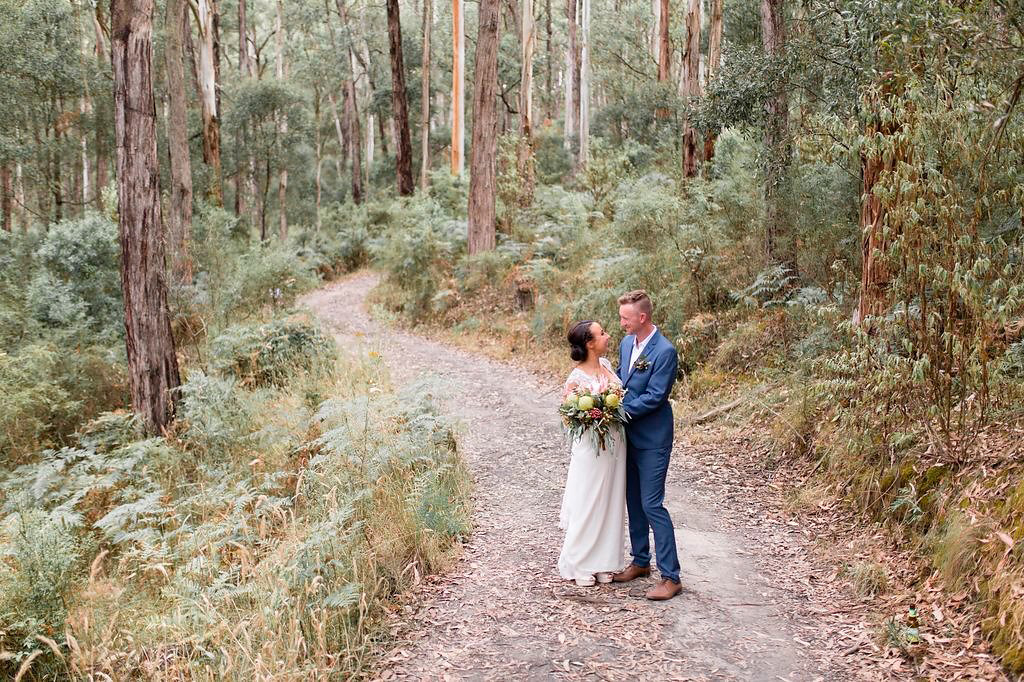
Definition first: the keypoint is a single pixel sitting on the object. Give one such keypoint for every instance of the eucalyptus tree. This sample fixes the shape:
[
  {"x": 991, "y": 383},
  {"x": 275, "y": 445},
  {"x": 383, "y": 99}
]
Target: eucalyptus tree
[
  {"x": 714, "y": 60},
  {"x": 482, "y": 178},
  {"x": 428, "y": 23},
  {"x": 399, "y": 101},
  {"x": 152, "y": 362},
  {"x": 691, "y": 85},
  {"x": 458, "y": 152},
  {"x": 207, "y": 23},
  {"x": 180, "y": 208}
]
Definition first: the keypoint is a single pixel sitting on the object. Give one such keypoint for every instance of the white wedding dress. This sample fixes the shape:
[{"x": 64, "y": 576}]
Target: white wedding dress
[{"x": 594, "y": 504}]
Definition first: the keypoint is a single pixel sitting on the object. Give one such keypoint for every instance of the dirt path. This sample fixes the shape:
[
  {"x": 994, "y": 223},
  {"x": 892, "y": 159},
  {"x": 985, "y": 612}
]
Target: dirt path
[{"x": 753, "y": 603}]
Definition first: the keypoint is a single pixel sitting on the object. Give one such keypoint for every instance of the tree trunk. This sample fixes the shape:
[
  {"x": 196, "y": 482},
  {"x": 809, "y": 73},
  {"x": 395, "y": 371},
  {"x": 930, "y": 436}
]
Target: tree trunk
[
  {"x": 318, "y": 148},
  {"x": 21, "y": 208},
  {"x": 458, "y": 88},
  {"x": 244, "y": 185},
  {"x": 524, "y": 159},
  {"x": 102, "y": 55},
  {"x": 399, "y": 102},
  {"x": 691, "y": 86},
  {"x": 282, "y": 127},
  {"x": 714, "y": 61},
  {"x": 244, "y": 62},
  {"x": 180, "y": 218},
  {"x": 355, "y": 138},
  {"x": 515, "y": 19},
  {"x": 428, "y": 20},
  {"x": 572, "y": 93},
  {"x": 6, "y": 196},
  {"x": 152, "y": 363},
  {"x": 779, "y": 248},
  {"x": 664, "y": 45},
  {"x": 584, "y": 88},
  {"x": 549, "y": 94},
  {"x": 483, "y": 148},
  {"x": 342, "y": 134},
  {"x": 57, "y": 184},
  {"x": 207, "y": 74},
  {"x": 655, "y": 44},
  {"x": 663, "y": 49}
]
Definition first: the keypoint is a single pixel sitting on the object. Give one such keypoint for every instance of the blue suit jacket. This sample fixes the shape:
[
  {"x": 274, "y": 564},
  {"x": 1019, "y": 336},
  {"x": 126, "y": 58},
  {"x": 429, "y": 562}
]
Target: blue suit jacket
[{"x": 650, "y": 424}]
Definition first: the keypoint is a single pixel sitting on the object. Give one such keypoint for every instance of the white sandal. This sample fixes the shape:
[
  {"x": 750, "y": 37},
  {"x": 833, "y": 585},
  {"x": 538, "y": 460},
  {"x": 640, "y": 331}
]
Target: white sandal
[
  {"x": 586, "y": 582},
  {"x": 603, "y": 578}
]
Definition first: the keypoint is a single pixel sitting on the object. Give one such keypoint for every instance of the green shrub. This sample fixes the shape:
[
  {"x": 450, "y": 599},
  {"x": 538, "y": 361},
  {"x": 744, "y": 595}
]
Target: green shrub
[
  {"x": 696, "y": 342},
  {"x": 345, "y": 237},
  {"x": 40, "y": 563},
  {"x": 76, "y": 279},
  {"x": 49, "y": 390},
  {"x": 272, "y": 353},
  {"x": 261, "y": 279},
  {"x": 451, "y": 192},
  {"x": 217, "y": 416},
  {"x": 553, "y": 162},
  {"x": 416, "y": 254},
  {"x": 606, "y": 168},
  {"x": 489, "y": 268}
]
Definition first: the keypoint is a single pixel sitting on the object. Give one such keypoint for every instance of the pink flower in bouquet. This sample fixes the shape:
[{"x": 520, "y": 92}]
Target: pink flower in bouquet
[{"x": 596, "y": 413}]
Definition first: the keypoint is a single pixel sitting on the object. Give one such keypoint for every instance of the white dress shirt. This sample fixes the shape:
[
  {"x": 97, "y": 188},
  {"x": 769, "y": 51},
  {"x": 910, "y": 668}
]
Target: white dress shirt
[{"x": 638, "y": 347}]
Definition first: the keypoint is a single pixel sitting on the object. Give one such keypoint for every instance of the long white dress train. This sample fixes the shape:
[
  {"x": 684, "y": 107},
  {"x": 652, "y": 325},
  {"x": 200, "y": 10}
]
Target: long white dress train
[{"x": 594, "y": 503}]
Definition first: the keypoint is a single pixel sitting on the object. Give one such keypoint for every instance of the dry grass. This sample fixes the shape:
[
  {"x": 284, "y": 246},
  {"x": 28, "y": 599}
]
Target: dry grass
[
  {"x": 808, "y": 498},
  {"x": 278, "y": 552},
  {"x": 869, "y": 578}
]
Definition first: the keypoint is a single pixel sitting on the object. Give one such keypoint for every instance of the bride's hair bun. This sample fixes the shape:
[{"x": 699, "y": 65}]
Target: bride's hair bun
[{"x": 579, "y": 335}]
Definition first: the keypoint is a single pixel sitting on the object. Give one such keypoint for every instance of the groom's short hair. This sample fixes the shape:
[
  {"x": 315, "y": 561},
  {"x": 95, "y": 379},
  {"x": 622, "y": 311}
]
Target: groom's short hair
[{"x": 640, "y": 300}]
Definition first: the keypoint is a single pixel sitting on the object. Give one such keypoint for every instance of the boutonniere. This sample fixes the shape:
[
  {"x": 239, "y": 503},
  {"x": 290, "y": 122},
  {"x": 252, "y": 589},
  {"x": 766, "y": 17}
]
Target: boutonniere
[{"x": 641, "y": 364}]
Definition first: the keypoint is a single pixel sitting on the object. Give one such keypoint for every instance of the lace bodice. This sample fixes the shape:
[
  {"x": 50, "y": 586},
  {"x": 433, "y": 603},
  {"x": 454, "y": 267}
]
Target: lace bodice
[{"x": 577, "y": 377}]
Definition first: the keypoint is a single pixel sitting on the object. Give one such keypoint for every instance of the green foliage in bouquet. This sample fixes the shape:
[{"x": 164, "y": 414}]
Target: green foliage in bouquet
[{"x": 595, "y": 414}]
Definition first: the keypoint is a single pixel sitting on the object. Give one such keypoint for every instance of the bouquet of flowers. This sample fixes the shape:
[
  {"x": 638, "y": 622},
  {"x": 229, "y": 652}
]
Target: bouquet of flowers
[{"x": 595, "y": 413}]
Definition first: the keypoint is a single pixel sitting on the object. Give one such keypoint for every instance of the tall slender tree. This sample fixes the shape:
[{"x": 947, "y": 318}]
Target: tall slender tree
[
  {"x": 572, "y": 76},
  {"x": 691, "y": 85},
  {"x": 458, "y": 89},
  {"x": 664, "y": 45},
  {"x": 779, "y": 247},
  {"x": 714, "y": 61},
  {"x": 207, "y": 74},
  {"x": 483, "y": 149},
  {"x": 152, "y": 363},
  {"x": 355, "y": 138},
  {"x": 245, "y": 172},
  {"x": 399, "y": 102},
  {"x": 663, "y": 49},
  {"x": 6, "y": 196},
  {"x": 352, "y": 111},
  {"x": 428, "y": 20},
  {"x": 584, "y": 89},
  {"x": 180, "y": 214},
  {"x": 281, "y": 70},
  {"x": 101, "y": 43},
  {"x": 525, "y": 151}
]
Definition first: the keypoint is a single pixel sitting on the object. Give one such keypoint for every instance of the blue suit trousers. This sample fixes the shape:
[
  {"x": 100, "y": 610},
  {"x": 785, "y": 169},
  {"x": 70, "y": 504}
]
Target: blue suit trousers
[{"x": 645, "y": 498}]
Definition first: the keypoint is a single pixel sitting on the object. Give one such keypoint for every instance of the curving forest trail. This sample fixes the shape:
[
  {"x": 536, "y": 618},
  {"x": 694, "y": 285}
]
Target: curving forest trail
[{"x": 755, "y": 605}]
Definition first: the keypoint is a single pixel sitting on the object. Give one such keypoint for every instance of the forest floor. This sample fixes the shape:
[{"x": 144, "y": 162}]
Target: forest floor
[{"x": 761, "y": 600}]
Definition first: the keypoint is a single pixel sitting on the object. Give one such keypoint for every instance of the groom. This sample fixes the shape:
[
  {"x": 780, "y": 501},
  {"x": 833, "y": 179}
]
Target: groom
[{"x": 647, "y": 368}]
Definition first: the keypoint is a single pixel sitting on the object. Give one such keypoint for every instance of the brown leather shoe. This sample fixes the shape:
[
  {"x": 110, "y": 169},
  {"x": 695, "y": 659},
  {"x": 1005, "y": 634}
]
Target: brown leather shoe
[
  {"x": 664, "y": 590},
  {"x": 631, "y": 572}
]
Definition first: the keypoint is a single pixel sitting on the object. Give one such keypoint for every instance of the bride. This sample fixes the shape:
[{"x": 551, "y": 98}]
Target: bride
[{"x": 594, "y": 503}]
